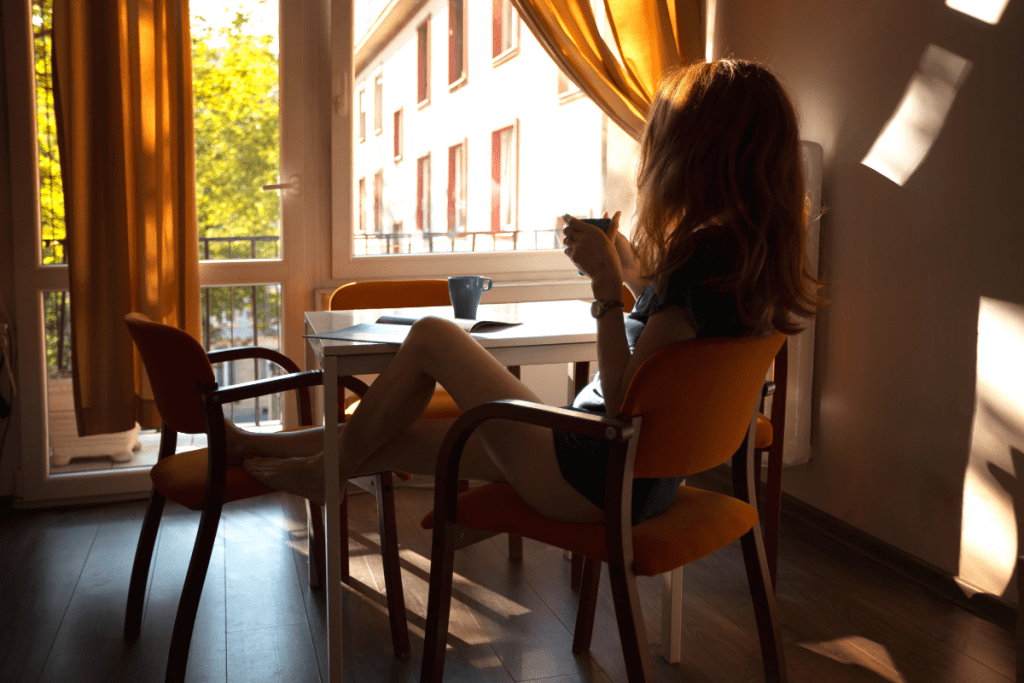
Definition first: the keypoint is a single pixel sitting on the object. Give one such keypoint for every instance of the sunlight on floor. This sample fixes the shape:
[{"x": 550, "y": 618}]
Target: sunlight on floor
[
  {"x": 908, "y": 136},
  {"x": 860, "y": 651},
  {"x": 989, "y": 11},
  {"x": 988, "y": 546}
]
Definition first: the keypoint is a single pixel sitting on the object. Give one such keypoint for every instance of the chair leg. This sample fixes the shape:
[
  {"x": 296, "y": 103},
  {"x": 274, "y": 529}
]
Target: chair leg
[
  {"x": 140, "y": 570},
  {"x": 515, "y": 547},
  {"x": 589, "y": 584},
  {"x": 672, "y": 616},
  {"x": 343, "y": 524},
  {"x": 392, "y": 567},
  {"x": 765, "y": 612},
  {"x": 576, "y": 571},
  {"x": 439, "y": 602},
  {"x": 317, "y": 545},
  {"x": 184, "y": 622},
  {"x": 632, "y": 633},
  {"x": 773, "y": 510}
]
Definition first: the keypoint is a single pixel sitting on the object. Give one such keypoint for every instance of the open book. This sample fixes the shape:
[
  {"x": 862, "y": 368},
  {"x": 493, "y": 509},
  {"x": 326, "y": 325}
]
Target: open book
[{"x": 391, "y": 329}]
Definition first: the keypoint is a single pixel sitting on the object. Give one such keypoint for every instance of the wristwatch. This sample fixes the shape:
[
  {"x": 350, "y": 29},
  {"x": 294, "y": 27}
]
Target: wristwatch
[{"x": 599, "y": 307}]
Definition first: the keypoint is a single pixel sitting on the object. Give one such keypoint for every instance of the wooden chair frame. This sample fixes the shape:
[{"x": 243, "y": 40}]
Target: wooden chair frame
[
  {"x": 213, "y": 398},
  {"x": 618, "y": 534}
]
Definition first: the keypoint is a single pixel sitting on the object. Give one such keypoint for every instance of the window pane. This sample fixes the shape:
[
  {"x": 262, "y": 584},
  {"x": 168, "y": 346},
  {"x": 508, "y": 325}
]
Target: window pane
[
  {"x": 51, "y": 192},
  {"x": 235, "y": 86},
  {"x": 492, "y": 193},
  {"x": 248, "y": 315}
]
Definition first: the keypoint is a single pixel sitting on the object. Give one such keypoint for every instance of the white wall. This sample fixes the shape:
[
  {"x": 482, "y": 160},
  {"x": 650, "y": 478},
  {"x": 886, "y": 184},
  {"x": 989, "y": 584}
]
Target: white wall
[{"x": 897, "y": 349}]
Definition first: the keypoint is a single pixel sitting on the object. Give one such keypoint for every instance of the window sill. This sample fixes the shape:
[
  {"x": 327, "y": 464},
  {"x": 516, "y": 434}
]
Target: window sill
[
  {"x": 505, "y": 56},
  {"x": 455, "y": 85}
]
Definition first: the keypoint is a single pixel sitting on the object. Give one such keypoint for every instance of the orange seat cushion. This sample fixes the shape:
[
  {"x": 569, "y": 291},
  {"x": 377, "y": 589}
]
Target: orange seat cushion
[
  {"x": 441, "y": 406},
  {"x": 697, "y": 524},
  {"x": 182, "y": 478},
  {"x": 763, "y": 433}
]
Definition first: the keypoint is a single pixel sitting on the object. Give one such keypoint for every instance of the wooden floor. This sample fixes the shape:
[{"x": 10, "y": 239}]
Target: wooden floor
[{"x": 64, "y": 579}]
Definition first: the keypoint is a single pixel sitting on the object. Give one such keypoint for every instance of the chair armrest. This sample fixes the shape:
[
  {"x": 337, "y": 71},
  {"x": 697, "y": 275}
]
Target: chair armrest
[
  {"x": 270, "y": 385},
  {"x": 768, "y": 389},
  {"x": 447, "y": 472},
  {"x": 244, "y": 352}
]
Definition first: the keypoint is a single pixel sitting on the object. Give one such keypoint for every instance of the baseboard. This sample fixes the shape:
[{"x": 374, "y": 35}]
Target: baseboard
[
  {"x": 991, "y": 607},
  {"x": 797, "y": 512}
]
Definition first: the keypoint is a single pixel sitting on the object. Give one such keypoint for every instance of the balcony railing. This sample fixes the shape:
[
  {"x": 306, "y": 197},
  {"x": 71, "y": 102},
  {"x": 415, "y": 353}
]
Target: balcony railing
[{"x": 378, "y": 243}]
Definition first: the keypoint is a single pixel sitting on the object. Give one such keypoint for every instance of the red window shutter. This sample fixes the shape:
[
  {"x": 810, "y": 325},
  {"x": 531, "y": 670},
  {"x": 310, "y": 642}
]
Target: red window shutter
[
  {"x": 496, "y": 27},
  {"x": 452, "y": 189},
  {"x": 496, "y": 181}
]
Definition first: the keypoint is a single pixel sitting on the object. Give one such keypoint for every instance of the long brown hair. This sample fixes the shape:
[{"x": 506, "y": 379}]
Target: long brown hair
[{"x": 722, "y": 146}]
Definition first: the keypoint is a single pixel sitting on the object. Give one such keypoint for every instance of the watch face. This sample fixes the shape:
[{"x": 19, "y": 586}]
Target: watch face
[{"x": 595, "y": 309}]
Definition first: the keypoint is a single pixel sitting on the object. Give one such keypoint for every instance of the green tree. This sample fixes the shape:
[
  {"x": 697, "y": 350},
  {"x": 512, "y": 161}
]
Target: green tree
[{"x": 235, "y": 86}]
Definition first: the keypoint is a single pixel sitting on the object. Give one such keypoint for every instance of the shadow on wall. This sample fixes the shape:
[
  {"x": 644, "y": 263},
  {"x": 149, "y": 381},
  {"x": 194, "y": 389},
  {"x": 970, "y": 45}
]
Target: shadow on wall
[{"x": 911, "y": 251}]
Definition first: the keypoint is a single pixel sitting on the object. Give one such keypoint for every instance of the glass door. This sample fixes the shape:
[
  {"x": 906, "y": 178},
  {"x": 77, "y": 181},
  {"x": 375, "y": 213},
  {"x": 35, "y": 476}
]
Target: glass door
[{"x": 253, "y": 276}]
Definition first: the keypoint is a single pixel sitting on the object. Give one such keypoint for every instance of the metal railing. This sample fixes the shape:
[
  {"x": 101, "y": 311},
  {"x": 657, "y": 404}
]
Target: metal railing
[{"x": 402, "y": 242}]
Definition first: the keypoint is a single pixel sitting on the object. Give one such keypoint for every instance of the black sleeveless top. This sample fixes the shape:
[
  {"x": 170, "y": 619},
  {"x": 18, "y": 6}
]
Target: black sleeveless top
[{"x": 584, "y": 461}]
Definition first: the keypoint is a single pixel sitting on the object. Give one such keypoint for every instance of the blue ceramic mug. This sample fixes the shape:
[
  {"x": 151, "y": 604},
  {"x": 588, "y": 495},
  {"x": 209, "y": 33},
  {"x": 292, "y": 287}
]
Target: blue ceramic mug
[{"x": 464, "y": 292}]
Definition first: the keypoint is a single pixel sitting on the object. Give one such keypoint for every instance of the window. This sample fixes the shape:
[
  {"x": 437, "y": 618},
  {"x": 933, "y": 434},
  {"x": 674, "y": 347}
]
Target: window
[
  {"x": 423, "y": 194},
  {"x": 378, "y": 103},
  {"x": 456, "y": 42},
  {"x": 505, "y": 31},
  {"x": 504, "y": 169},
  {"x": 398, "y": 135},
  {"x": 457, "y": 188},
  {"x": 423, "y": 63},
  {"x": 378, "y": 201},
  {"x": 567, "y": 90},
  {"x": 502, "y": 194},
  {"x": 362, "y": 113},
  {"x": 362, "y": 205}
]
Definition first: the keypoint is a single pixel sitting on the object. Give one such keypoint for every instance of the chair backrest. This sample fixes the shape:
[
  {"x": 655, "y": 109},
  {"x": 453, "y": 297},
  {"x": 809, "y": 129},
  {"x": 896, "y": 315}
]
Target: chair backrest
[
  {"x": 390, "y": 294},
  {"x": 176, "y": 364},
  {"x": 696, "y": 399}
]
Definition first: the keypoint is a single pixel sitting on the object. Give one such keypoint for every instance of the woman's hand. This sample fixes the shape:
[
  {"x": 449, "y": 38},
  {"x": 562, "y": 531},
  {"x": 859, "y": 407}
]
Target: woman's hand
[
  {"x": 630, "y": 264},
  {"x": 595, "y": 253}
]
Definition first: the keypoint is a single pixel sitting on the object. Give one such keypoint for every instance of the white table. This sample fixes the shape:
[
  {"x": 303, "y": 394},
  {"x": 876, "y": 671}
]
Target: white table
[{"x": 551, "y": 332}]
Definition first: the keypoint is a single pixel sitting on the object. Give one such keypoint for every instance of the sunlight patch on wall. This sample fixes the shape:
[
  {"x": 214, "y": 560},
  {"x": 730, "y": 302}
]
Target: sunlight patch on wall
[
  {"x": 861, "y": 652},
  {"x": 988, "y": 544},
  {"x": 908, "y": 136},
  {"x": 989, "y": 11}
]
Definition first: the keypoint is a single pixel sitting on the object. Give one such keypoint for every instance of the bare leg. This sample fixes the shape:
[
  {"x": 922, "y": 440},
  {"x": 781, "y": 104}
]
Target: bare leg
[
  {"x": 297, "y": 444},
  {"x": 381, "y": 434}
]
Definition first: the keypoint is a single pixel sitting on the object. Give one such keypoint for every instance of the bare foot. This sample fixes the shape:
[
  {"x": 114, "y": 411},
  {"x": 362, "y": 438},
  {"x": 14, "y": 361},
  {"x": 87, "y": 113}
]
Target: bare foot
[{"x": 302, "y": 476}]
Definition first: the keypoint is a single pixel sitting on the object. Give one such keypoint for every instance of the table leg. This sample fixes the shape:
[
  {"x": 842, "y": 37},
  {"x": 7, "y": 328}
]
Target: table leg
[{"x": 335, "y": 534}]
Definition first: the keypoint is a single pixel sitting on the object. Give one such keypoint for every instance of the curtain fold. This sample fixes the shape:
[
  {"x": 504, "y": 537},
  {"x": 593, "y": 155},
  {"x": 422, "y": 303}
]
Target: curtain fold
[
  {"x": 123, "y": 102},
  {"x": 652, "y": 36}
]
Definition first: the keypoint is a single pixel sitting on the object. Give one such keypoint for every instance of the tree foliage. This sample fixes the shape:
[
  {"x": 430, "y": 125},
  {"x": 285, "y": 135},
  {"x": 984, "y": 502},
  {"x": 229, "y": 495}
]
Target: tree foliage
[{"x": 235, "y": 86}]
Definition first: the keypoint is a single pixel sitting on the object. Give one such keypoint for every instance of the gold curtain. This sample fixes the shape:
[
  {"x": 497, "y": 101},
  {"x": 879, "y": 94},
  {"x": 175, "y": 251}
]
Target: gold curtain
[
  {"x": 123, "y": 101},
  {"x": 652, "y": 36}
]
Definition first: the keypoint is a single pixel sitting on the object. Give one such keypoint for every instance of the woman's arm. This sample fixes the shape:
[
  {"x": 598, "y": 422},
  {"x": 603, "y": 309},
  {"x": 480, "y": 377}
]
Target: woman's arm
[{"x": 595, "y": 253}]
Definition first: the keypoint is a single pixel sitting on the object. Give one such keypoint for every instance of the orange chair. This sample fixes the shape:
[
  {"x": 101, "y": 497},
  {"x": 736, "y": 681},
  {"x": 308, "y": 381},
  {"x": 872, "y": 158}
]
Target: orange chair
[
  {"x": 688, "y": 408},
  {"x": 190, "y": 402}
]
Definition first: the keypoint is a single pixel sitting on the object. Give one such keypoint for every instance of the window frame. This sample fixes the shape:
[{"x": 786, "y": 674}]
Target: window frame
[
  {"x": 457, "y": 186},
  {"x": 498, "y": 55},
  {"x": 378, "y": 101},
  {"x": 423, "y": 197},
  {"x": 398, "y": 124},
  {"x": 522, "y": 267},
  {"x": 423, "y": 63},
  {"x": 361, "y": 194},
  {"x": 458, "y": 31},
  {"x": 496, "y": 186},
  {"x": 361, "y": 113}
]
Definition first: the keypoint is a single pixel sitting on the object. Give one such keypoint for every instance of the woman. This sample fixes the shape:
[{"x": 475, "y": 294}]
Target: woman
[{"x": 718, "y": 251}]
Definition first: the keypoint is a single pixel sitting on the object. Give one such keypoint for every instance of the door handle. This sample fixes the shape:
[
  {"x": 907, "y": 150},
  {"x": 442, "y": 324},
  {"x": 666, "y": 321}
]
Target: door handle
[{"x": 290, "y": 188}]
